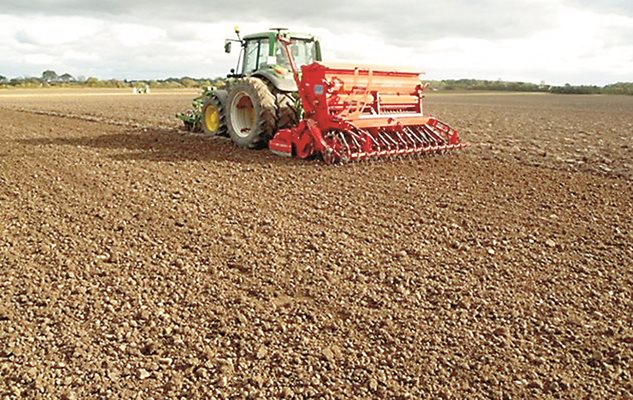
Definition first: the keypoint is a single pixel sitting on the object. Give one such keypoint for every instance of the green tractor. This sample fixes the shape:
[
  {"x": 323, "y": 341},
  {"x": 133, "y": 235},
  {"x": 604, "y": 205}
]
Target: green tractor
[{"x": 260, "y": 97}]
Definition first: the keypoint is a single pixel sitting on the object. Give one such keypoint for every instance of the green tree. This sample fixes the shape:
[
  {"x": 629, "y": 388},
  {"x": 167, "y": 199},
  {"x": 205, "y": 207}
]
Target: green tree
[
  {"x": 92, "y": 82},
  {"x": 66, "y": 77},
  {"x": 49, "y": 76},
  {"x": 188, "y": 82},
  {"x": 619, "y": 88},
  {"x": 3, "y": 79}
]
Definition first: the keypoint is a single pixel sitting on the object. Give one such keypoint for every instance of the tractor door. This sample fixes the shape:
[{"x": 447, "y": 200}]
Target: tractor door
[{"x": 255, "y": 55}]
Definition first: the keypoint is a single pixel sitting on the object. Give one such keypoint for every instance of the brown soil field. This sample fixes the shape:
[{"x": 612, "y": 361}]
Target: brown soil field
[{"x": 141, "y": 262}]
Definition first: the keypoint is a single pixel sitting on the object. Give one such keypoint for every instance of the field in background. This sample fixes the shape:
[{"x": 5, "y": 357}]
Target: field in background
[
  {"x": 79, "y": 92},
  {"x": 140, "y": 259},
  {"x": 572, "y": 132}
]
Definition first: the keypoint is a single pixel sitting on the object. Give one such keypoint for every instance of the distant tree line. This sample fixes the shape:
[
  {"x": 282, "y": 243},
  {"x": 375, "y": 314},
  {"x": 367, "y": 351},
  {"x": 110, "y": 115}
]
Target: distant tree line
[
  {"x": 50, "y": 78},
  {"x": 477, "y": 84}
]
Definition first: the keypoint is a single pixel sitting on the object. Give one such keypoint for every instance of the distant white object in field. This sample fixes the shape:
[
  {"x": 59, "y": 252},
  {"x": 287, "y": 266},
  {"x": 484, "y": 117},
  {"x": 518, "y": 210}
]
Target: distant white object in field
[{"x": 141, "y": 90}]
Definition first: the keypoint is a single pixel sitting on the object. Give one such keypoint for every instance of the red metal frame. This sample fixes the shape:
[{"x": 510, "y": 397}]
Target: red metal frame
[{"x": 356, "y": 112}]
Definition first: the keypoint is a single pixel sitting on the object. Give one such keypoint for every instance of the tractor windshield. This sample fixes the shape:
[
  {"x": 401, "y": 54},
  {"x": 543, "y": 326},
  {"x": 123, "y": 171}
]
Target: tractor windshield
[{"x": 303, "y": 52}]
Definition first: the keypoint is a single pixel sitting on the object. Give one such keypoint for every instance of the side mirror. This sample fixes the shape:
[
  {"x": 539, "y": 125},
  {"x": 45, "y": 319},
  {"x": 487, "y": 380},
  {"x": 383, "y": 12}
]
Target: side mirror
[{"x": 227, "y": 47}]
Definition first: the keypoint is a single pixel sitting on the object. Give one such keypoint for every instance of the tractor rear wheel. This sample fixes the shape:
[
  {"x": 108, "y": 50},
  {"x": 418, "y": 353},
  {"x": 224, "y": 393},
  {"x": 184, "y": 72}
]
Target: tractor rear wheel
[
  {"x": 286, "y": 111},
  {"x": 251, "y": 113},
  {"x": 213, "y": 117}
]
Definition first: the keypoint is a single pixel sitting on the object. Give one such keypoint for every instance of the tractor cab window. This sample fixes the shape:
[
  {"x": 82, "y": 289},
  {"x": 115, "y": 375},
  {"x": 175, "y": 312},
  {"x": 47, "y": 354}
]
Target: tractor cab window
[
  {"x": 303, "y": 52},
  {"x": 255, "y": 55},
  {"x": 263, "y": 53}
]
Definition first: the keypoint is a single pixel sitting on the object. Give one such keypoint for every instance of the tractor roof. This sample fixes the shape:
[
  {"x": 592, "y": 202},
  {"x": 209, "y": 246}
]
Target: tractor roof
[{"x": 272, "y": 34}]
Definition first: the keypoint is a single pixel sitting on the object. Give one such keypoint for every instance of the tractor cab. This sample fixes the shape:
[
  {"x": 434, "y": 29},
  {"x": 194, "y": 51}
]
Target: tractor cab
[{"x": 263, "y": 56}]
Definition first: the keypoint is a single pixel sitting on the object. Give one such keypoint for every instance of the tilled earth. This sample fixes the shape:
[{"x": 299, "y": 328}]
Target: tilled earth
[{"x": 138, "y": 261}]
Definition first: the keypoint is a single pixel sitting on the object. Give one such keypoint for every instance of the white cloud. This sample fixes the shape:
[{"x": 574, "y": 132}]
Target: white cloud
[
  {"x": 49, "y": 31},
  {"x": 135, "y": 35},
  {"x": 557, "y": 41},
  {"x": 583, "y": 46}
]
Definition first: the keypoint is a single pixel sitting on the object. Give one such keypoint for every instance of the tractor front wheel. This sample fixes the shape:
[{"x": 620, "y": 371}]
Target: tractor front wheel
[
  {"x": 213, "y": 118},
  {"x": 251, "y": 113}
]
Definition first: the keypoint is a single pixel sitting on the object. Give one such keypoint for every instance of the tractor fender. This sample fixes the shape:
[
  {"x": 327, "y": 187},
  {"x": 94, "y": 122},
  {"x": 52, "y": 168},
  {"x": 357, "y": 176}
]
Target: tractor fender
[{"x": 281, "y": 83}]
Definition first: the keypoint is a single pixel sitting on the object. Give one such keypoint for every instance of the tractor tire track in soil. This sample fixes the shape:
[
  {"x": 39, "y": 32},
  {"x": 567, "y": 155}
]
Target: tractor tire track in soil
[{"x": 140, "y": 262}]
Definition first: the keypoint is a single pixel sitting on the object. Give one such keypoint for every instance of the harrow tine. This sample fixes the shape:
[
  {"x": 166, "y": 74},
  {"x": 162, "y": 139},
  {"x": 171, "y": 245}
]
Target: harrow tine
[
  {"x": 418, "y": 134},
  {"x": 416, "y": 141},
  {"x": 432, "y": 135},
  {"x": 354, "y": 140},
  {"x": 391, "y": 140},
  {"x": 402, "y": 141},
  {"x": 374, "y": 141},
  {"x": 424, "y": 137}
]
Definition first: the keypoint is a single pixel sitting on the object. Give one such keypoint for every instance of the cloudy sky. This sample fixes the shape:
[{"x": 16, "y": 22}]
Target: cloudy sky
[{"x": 556, "y": 41}]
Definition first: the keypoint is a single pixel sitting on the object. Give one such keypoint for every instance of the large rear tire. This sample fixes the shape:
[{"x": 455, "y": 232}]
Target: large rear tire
[
  {"x": 287, "y": 116},
  {"x": 251, "y": 113}
]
